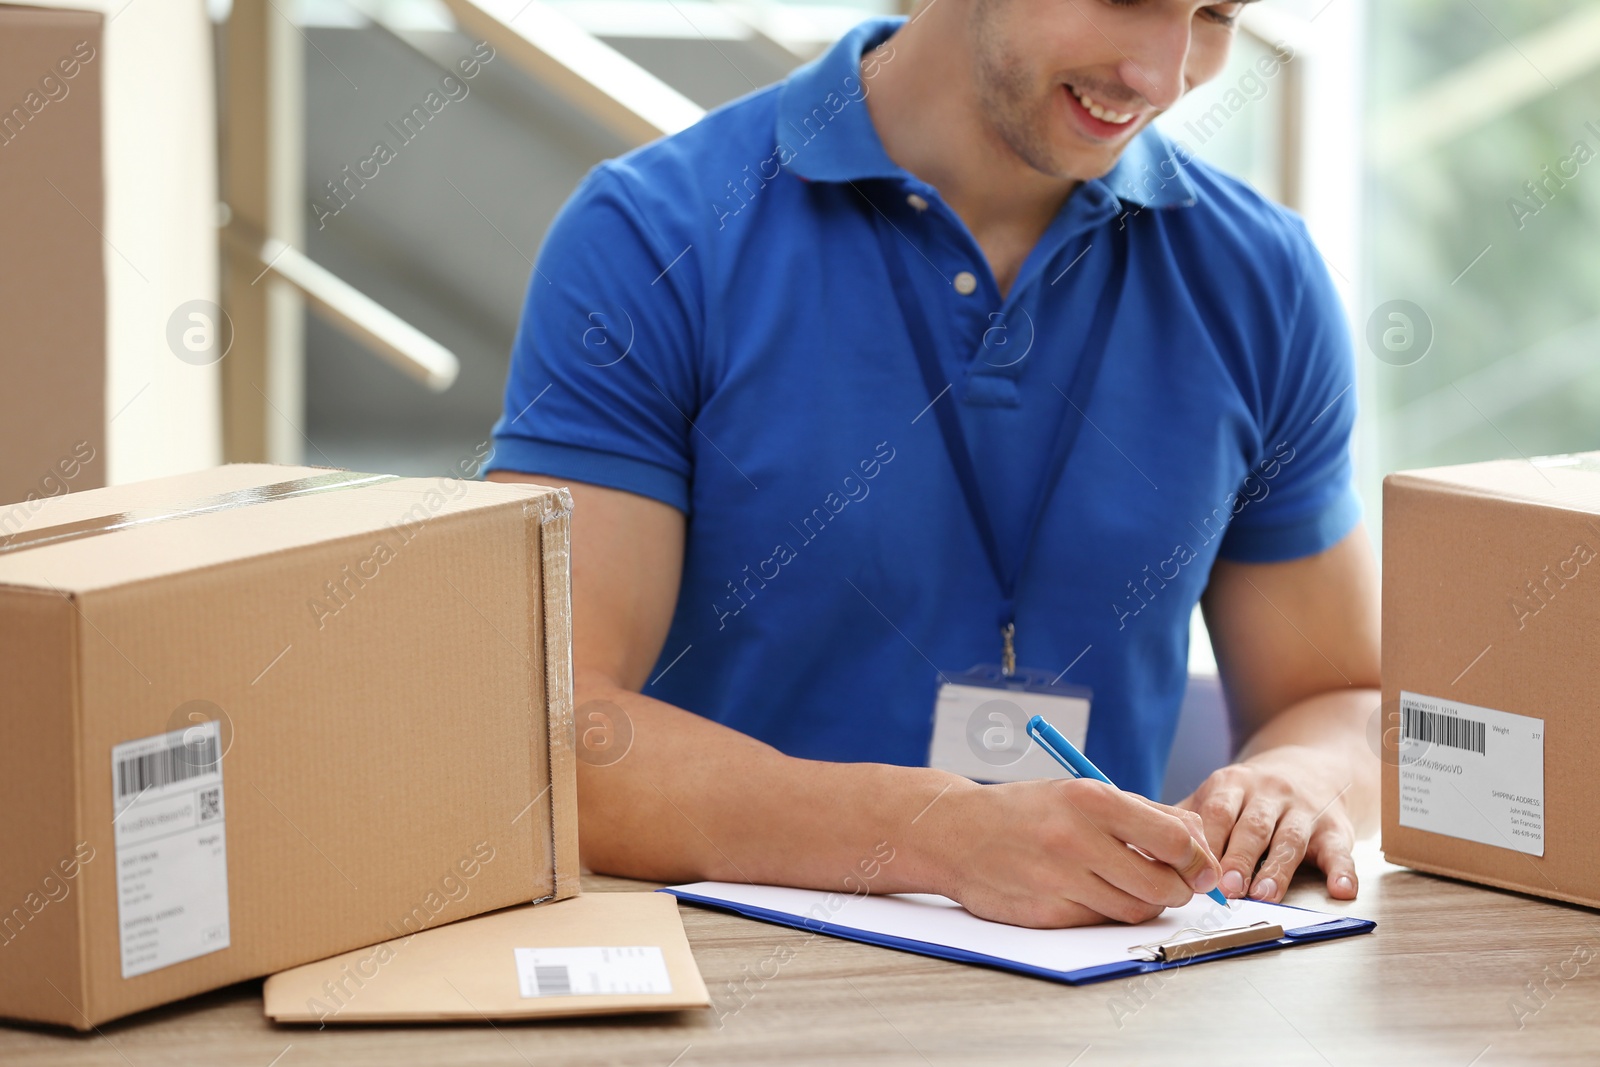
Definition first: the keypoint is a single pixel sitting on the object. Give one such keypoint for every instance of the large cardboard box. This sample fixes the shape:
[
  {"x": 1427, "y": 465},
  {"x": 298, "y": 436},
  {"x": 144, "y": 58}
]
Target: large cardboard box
[
  {"x": 52, "y": 257},
  {"x": 1491, "y": 681},
  {"x": 257, "y": 716}
]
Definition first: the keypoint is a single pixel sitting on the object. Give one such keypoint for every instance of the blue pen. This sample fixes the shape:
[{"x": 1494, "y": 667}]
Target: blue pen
[{"x": 1066, "y": 753}]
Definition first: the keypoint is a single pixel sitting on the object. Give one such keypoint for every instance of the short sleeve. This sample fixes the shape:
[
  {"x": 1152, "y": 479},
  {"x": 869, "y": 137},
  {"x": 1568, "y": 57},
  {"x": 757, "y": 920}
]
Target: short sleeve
[
  {"x": 1299, "y": 498},
  {"x": 602, "y": 384}
]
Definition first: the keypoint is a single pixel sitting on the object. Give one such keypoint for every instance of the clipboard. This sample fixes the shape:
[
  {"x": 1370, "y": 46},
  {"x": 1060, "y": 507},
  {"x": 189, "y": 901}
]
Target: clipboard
[
  {"x": 928, "y": 925},
  {"x": 1193, "y": 941}
]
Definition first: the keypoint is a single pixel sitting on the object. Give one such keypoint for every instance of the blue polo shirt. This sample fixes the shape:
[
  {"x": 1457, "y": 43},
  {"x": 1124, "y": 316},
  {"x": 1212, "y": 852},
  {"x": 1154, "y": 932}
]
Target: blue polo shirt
[{"x": 712, "y": 325}]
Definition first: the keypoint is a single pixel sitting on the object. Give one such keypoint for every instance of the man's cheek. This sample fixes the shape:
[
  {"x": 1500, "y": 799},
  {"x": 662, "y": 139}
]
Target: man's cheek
[{"x": 1205, "y": 62}]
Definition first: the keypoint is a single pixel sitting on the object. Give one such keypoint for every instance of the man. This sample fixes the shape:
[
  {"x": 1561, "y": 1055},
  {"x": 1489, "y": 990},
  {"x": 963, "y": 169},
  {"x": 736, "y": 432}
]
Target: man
[{"x": 756, "y": 351}]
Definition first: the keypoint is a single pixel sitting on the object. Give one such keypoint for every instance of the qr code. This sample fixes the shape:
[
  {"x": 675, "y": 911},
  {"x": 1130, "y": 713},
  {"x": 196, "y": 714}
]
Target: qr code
[{"x": 210, "y": 804}]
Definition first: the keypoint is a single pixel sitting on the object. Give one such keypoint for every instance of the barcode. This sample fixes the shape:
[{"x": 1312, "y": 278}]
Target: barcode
[
  {"x": 210, "y": 803},
  {"x": 176, "y": 763},
  {"x": 552, "y": 981},
  {"x": 1448, "y": 730}
]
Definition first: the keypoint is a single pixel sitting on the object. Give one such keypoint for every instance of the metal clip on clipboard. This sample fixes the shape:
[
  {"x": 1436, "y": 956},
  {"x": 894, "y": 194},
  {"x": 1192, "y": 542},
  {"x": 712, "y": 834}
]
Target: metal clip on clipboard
[{"x": 1193, "y": 941}]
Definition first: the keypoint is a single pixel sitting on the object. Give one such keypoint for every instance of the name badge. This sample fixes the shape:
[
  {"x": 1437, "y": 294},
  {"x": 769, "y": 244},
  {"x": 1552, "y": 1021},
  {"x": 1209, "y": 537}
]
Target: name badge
[{"x": 980, "y": 724}]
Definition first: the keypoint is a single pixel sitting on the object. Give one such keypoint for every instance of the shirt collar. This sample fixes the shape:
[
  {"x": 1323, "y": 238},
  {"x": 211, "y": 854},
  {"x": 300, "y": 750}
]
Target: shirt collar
[
  {"x": 824, "y": 132},
  {"x": 822, "y": 113},
  {"x": 1150, "y": 173}
]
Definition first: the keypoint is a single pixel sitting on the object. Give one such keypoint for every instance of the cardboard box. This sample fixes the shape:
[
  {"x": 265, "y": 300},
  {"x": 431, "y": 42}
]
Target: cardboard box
[
  {"x": 598, "y": 954},
  {"x": 1491, "y": 612},
  {"x": 257, "y": 716},
  {"x": 52, "y": 265}
]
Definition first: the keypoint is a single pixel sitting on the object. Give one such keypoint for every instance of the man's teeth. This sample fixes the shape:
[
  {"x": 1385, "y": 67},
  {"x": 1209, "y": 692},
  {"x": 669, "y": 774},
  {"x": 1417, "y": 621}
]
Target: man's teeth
[{"x": 1101, "y": 113}]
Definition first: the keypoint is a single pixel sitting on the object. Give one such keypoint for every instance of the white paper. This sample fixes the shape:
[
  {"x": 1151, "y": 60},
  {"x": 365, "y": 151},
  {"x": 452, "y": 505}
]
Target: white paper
[
  {"x": 940, "y": 921},
  {"x": 172, "y": 849},
  {"x": 1448, "y": 786},
  {"x": 981, "y": 732},
  {"x": 576, "y": 972}
]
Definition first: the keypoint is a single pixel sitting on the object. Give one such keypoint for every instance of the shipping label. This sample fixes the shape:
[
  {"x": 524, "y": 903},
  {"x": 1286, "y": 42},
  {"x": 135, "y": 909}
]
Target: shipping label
[
  {"x": 1472, "y": 773},
  {"x": 172, "y": 856},
  {"x": 572, "y": 972}
]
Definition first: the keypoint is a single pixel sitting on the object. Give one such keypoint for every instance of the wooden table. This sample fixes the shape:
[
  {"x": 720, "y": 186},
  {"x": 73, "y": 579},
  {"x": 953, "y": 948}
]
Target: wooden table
[{"x": 1435, "y": 984}]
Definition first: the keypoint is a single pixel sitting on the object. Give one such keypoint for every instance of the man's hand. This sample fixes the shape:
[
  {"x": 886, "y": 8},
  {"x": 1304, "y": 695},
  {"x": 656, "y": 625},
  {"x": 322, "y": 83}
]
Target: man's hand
[
  {"x": 1297, "y": 644},
  {"x": 1056, "y": 853},
  {"x": 1276, "y": 809}
]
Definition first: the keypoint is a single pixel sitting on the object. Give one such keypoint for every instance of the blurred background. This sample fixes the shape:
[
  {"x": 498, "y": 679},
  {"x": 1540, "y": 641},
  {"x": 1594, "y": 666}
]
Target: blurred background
[
  {"x": 1441, "y": 152},
  {"x": 1405, "y": 131},
  {"x": 1438, "y": 150}
]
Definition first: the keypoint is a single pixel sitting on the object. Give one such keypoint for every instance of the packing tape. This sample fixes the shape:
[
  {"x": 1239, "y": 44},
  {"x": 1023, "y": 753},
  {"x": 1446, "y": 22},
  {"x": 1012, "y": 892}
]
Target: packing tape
[
  {"x": 553, "y": 506},
  {"x": 238, "y": 498}
]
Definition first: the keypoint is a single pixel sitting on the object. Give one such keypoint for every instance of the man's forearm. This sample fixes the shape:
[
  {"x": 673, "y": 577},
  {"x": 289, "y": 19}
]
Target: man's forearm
[
  {"x": 692, "y": 799},
  {"x": 1334, "y": 726}
]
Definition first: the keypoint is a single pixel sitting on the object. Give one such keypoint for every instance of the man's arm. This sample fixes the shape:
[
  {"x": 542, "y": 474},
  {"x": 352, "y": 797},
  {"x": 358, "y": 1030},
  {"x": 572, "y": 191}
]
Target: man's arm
[
  {"x": 692, "y": 799},
  {"x": 1297, "y": 645}
]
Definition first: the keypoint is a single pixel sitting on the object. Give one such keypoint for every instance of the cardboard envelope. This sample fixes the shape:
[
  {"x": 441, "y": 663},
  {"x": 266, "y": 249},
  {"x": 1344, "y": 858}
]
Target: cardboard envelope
[{"x": 596, "y": 954}]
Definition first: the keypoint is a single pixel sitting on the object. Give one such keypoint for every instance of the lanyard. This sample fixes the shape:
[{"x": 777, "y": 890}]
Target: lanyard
[{"x": 955, "y": 439}]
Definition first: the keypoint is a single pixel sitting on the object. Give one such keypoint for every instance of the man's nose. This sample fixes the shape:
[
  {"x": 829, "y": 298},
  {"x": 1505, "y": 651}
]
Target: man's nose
[{"x": 1153, "y": 66}]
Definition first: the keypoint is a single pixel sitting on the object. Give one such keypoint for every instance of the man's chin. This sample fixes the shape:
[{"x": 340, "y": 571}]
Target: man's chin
[
  {"x": 1080, "y": 160},
  {"x": 1081, "y": 166}
]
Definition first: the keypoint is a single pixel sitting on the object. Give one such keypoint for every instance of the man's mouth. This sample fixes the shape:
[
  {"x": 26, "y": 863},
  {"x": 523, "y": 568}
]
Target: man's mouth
[{"x": 1099, "y": 111}]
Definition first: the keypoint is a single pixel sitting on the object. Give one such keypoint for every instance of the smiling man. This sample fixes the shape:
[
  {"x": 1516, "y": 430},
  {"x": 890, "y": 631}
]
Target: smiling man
[{"x": 939, "y": 354}]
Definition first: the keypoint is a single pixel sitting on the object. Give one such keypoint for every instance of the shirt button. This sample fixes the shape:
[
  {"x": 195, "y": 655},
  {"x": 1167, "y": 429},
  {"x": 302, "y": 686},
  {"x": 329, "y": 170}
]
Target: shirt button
[
  {"x": 917, "y": 202},
  {"x": 966, "y": 283}
]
